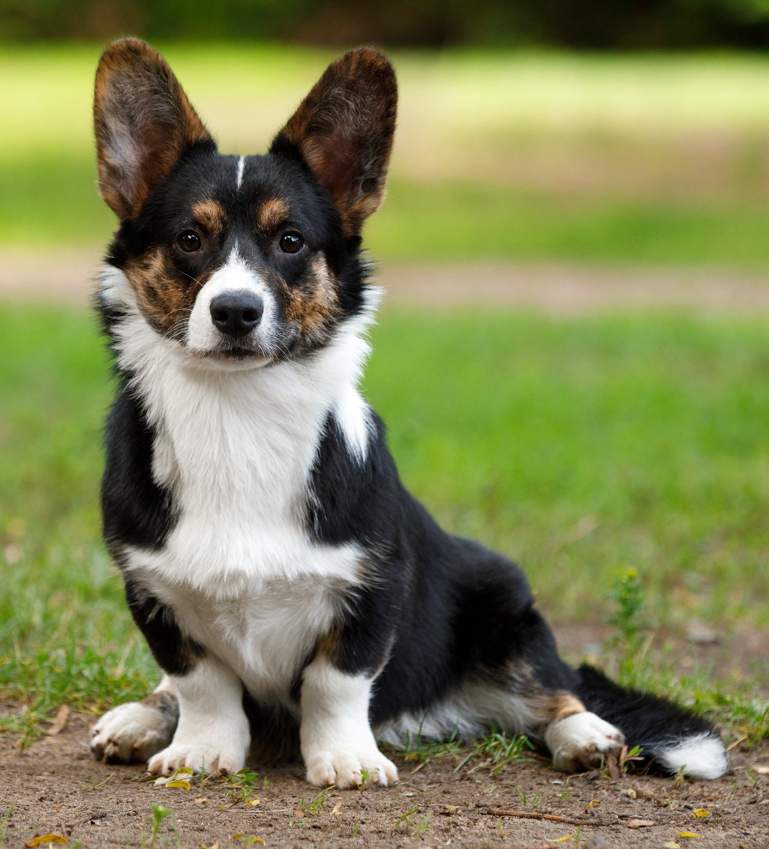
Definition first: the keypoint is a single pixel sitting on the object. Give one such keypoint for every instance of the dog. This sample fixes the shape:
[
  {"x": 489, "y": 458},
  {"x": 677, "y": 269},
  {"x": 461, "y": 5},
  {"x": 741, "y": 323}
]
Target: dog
[{"x": 293, "y": 592}]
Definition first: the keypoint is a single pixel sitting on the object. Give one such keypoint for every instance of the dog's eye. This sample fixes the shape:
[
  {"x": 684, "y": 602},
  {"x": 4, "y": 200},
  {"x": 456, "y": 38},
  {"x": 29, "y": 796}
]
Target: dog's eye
[
  {"x": 291, "y": 243},
  {"x": 189, "y": 241}
]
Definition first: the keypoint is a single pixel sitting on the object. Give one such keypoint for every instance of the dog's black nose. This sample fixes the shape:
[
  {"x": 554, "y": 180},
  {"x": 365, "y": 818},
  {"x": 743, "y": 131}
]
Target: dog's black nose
[{"x": 236, "y": 313}]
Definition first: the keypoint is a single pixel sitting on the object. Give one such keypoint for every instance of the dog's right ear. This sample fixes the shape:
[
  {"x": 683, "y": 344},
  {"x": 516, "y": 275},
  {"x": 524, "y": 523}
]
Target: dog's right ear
[{"x": 144, "y": 124}]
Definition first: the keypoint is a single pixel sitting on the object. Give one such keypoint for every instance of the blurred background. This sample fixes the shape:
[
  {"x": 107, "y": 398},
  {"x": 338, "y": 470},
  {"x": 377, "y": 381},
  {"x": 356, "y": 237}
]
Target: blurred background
[{"x": 573, "y": 357}]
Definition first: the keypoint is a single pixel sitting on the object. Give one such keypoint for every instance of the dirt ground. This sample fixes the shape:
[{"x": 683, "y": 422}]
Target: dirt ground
[{"x": 56, "y": 788}]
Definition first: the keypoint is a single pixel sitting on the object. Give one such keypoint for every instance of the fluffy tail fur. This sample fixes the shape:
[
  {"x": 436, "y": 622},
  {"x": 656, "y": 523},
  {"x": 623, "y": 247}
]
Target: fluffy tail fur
[{"x": 670, "y": 736}]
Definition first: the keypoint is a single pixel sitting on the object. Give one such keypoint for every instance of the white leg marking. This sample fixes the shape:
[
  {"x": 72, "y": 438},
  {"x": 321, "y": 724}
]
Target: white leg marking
[
  {"x": 699, "y": 756},
  {"x": 581, "y": 740},
  {"x": 134, "y": 732},
  {"x": 338, "y": 745},
  {"x": 213, "y": 730}
]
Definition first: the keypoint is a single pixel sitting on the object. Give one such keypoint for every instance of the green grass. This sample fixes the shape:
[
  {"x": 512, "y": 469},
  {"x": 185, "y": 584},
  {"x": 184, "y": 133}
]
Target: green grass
[
  {"x": 582, "y": 447},
  {"x": 498, "y": 155}
]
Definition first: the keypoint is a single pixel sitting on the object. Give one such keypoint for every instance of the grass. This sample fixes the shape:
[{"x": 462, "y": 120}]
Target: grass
[
  {"x": 583, "y": 447},
  {"x": 501, "y": 155}
]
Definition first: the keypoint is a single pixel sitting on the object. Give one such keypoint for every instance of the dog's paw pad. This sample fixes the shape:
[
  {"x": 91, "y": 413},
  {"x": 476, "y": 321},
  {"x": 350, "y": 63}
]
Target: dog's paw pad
[
  {"x": 131, "y": 733},
  {"x": 582, "y": 741},
  {"x": 347, "y": 769}
]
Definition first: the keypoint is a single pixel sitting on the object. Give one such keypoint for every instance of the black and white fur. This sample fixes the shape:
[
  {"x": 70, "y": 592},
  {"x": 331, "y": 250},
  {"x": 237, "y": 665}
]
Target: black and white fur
[{"x": 288, "y": 585}]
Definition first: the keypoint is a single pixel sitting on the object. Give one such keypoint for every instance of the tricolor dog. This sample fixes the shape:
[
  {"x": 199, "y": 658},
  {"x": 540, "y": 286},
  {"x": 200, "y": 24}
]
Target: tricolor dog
[{"x": 290, "y": 588}]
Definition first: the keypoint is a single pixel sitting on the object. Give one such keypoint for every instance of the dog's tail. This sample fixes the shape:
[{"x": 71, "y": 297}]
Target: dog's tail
[{"x": 671, "y": 737}]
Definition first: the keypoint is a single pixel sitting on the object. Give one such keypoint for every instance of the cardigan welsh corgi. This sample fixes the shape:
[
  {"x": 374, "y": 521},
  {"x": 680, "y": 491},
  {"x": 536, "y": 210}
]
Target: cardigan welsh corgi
[{"x": 293, "y": 592}]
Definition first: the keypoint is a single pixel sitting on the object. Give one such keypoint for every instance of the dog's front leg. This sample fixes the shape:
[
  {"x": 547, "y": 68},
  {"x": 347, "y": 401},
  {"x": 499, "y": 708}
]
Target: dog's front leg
[
  {"x": 213, "y": 732},
  {"x": 338, "y": 745}
]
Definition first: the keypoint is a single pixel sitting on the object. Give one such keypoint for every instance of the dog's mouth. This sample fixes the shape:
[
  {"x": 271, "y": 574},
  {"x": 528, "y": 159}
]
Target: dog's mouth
[
  {"x": 250, "y": 351},
  {"x": 231, "y": 352},
  {"x": 235, "y": 352}
]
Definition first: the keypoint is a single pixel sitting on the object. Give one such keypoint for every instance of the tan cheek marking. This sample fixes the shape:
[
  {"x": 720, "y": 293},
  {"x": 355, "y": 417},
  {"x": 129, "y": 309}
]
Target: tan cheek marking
[
  {"x": 211, "y": 215},
  {"x": 311, "y": 310},
  {"x": 271, "y": 213},
  {"x": 162, "y": 298}
]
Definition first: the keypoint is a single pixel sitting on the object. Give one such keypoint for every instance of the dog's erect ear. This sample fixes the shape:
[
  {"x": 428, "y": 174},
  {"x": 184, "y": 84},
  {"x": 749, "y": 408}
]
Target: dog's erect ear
[
  {"x": 344, "y": 131},
  {"x": 143, "y": 121}
]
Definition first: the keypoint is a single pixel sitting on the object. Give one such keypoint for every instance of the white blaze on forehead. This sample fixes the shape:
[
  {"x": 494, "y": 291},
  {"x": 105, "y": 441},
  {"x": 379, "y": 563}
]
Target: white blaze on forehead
[
  {"x": 241, "y": 167},
  {"x": 234, "y": 276}
]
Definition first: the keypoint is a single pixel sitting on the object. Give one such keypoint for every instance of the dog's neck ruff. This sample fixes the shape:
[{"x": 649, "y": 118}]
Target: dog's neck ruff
[{"x": 236, "y": 449}]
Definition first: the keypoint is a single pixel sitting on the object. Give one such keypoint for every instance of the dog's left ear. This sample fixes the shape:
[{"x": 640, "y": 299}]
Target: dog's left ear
[{"x": 343, "y": 130}]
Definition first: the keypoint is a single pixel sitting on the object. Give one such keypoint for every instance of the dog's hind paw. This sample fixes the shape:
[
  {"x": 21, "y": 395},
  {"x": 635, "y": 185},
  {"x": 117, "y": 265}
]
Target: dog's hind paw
[
  {"x": 346, "y": 769},
  {"x": 582, "y": 741},
  {"x": 135, "y": 731}
]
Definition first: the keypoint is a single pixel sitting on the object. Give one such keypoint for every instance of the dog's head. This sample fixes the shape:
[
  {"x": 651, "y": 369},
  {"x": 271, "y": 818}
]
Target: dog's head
[{"x": 243, "y": 260}]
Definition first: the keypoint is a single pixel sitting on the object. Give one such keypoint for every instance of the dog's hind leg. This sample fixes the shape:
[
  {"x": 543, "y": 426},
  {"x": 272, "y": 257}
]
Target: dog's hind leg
[{"x": 133, "y": 732}]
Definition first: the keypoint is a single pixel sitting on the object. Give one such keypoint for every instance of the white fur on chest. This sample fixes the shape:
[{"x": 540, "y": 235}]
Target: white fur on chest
[
  {"x": 236, "y": 450},
  {"x": 266, "y": 633}
]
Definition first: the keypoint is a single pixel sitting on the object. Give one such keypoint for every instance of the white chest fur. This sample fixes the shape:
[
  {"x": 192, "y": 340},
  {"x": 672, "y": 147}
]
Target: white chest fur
[{"x": 236, "y": 449}]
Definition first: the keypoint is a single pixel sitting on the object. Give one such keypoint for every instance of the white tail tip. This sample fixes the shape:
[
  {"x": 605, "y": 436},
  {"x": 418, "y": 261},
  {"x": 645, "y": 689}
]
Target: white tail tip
[{"x": 701, "y": 756}]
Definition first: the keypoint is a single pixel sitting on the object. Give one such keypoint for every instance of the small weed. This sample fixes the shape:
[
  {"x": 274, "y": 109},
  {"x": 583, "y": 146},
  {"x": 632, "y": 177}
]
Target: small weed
[
  {"x": 421, "y": 826},
  {"x": 628, "y": 594},
  {"x": 680, "y": 777},
  {"x": 315, "y": 805},
  {"x": 751, "y": 776},
  {"x": 628, "y": 757},
  {"x": 364, "y": 777},
  {"x": 499, "y": 749},
  {"x": 525, "y": 800},
  {"x": 243, "y": 785},
  {"x": 424, "y": 750},
  {"x": 407, "y": 821},
  {"x": 95, "y": 785},
  {"x": 4, "y": 823},
  {"x": 159, "y": 814},
  {"x": 355, "y": 829},
  {"x": 566, "y": 793}
]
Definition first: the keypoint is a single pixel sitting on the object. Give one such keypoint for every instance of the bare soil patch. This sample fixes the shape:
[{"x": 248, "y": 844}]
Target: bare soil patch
[
  {"x": 57, "y": 788},
  {"x": 70, "y": 275}
]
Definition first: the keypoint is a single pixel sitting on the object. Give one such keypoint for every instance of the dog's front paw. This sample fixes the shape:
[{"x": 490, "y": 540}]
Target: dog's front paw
[
  {"x": 346, "y": 768},
  {"x": 582, "y": 741},
  {"x": 198, "y": 757},
  {"x": 133, "y": 732}
]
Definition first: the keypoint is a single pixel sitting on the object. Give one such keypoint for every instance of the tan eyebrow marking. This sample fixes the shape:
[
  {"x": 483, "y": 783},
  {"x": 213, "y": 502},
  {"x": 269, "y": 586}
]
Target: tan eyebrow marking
[
  {"x": 270, "y": 213},
  {"x": 210, "y": 214}
]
